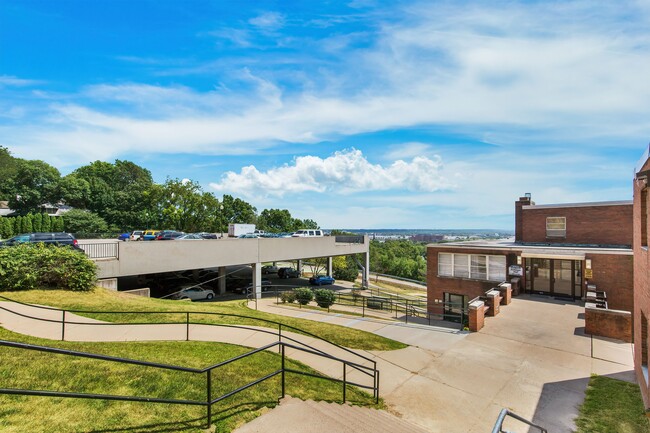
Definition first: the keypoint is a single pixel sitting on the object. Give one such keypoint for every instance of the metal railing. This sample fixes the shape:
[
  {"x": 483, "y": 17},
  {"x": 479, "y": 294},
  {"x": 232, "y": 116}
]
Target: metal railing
[
  {"x": 101, "y": 250},
  {"x": 349, "y": 239},
  {"x": 207, "y": 371},
  {"x": 284, "y": 340},
  {"x": 394, "y": 277},
  {"x": 498, "y": 426},
  {"x": 401, "y": 308}
]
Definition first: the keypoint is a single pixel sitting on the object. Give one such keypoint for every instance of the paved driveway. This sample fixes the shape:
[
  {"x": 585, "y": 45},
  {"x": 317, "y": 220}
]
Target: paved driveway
[{"x": 533, "y": 358}]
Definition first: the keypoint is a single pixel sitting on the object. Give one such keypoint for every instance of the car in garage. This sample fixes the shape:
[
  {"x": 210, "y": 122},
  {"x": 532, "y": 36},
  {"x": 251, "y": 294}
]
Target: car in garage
[
  {"x": 288, "y": 273},
  {"x": 269, "y": 269},
  {"x": 194, "y": 293},
  {"x": 320, "y": 280},
  {"x": 266, "y": 285}
]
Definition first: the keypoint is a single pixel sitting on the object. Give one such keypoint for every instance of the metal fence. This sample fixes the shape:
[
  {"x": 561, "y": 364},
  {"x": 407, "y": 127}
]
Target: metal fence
[
  {"x": 349, "y": 239},
  {"x": 101, "y": 250},
  {"x": 284, "y": 341}
]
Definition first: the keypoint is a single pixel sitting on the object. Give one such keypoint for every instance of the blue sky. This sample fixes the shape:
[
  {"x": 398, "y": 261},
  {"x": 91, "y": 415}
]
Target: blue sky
[{"x": 358, "y": 114}]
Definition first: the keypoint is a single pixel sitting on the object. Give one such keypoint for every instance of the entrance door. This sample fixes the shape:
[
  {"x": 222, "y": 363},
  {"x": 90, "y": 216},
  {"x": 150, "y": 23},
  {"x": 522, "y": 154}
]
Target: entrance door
[
  {"x": 555, "y": 277},
  {"x": 454, "y": 306}
]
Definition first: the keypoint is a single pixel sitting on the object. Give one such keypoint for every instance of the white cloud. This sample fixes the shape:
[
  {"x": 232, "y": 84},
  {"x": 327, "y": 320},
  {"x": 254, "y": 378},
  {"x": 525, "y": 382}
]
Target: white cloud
[
  {"x": 11, "y": 81},
  {"x": 346, "y": 172},
  {"x": 268, "y": 21}
]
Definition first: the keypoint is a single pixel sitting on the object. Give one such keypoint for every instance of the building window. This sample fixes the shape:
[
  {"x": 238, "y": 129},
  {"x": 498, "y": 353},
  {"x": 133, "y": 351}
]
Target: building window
[
  {"x": 445, "y": 265},
  {"x": 474, "y": 266},
  {"x": 556, "y": 227},
  {"x": 644, "y": 217}
]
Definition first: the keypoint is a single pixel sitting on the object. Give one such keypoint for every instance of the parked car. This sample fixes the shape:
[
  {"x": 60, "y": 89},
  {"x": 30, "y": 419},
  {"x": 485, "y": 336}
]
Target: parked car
[
  {"x": 124, "y": 237},
  {"x": 169, "y": 235},
  {"x": 320, "y": 280},
  {"x": 305, "y": 233},
  {"x": 137, "y": 235},
  {"x": 195, "y": 293},
  {"x": 48, "y": 238},
  {"x": 266, "y": 284},
  {"x": 189, "y": 237},
  {"x": 288, "y": 273},
  {"x": 205, "y": 235},
  {"x": 249, "y": 236},
  {"x": 269, "y": 269},
  {"x": 150, "y": 235}
]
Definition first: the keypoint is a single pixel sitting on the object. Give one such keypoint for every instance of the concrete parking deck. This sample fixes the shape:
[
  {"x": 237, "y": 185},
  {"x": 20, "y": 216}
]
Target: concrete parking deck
[{"x": 533, "y": 358}]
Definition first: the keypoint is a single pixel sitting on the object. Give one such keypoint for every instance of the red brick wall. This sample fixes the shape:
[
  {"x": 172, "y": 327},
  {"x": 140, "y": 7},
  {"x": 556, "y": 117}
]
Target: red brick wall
[
  {"x": 607, "y": 323},
  {"x": 641, "y": 287},
  {"x": 613, "y": 273},
  {"x": 600, "y": 225},
  {"x": 436, "y": 286}
]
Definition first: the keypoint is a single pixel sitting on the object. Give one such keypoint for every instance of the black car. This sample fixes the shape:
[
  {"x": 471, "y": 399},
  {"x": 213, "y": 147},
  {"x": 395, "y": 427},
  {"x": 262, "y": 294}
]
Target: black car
[
  {"x": 288, "y": 273},
  {"x": 48, "y": 238},
  {"x": 169, "y": 235},
  {"x": 265, "y": 284}
]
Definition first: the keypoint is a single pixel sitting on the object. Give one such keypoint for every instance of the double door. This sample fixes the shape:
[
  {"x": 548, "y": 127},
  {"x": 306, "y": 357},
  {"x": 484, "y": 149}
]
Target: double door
[{"x": 554, "y": 277}]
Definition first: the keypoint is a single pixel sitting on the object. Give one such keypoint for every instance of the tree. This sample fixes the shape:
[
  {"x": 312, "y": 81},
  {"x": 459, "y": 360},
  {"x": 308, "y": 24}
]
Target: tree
[
  {"x": 84, "y": 222},
  {"x": 33, "y": 184},
  {"x": 38, "y": 222},
  {"x": 275, "y": 220},
  {"x": 182, "y": 205},
  {"x": 46, "y": 225},
  {"x": 235, "y": 210},
  {"x": 344, "y": 268}
]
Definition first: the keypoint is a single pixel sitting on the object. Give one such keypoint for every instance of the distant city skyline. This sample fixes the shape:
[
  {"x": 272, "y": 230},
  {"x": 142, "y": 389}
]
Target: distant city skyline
[{"x": 363, "y": 113}]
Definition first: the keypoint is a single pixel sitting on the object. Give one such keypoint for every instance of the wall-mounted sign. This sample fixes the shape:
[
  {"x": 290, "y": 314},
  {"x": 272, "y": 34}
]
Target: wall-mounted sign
[
  {"x": 589, "y": 273},
  {"x": 516, "y": 270}
]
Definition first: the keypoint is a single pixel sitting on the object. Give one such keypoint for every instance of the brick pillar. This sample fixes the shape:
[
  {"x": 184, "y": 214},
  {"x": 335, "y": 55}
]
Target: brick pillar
[
  {"x": 506, "y": 293},
  {"x": 523, "y": 201},
  {"x": 493, "y": 301},
  {"x": 476, "y": 316}
]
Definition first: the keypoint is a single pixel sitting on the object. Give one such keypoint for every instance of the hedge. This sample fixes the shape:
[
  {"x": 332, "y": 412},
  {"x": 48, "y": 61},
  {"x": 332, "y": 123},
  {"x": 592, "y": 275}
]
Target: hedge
[{"x": 37, "y": 266}]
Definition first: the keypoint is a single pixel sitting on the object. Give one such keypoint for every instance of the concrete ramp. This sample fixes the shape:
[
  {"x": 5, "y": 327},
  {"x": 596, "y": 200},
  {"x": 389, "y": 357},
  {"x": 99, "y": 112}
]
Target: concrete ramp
[{"x": 298, "y": 416}]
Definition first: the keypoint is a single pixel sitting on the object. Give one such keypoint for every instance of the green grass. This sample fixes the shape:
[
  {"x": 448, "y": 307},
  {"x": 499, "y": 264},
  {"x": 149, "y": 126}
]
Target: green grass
[
  {"x": 612, "y": 406},
  {"x": 107, "y": 300},
  {"x": 42, "y": 371}
]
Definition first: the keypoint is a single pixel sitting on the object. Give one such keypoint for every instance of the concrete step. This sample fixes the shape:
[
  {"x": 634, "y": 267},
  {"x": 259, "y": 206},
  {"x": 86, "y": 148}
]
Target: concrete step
[{"x": 297, "y": 416}]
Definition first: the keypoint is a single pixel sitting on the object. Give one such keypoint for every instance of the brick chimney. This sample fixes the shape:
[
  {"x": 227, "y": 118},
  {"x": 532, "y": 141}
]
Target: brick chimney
[{"x": 519, "y": 222}]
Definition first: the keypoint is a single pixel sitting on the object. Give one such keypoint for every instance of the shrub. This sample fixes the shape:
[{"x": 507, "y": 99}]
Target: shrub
[
  {"x": 288, "y": 296},
  {"x": 324, "y": 297},
  {"x": 37, "y": 266},
  {"x": 304, "y": 295}
]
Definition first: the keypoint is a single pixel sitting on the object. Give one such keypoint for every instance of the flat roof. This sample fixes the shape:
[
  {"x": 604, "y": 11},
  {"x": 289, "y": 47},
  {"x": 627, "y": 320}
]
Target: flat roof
[
  {"x": 587, "y": 204},
  {"x": 534, "y": 250}
]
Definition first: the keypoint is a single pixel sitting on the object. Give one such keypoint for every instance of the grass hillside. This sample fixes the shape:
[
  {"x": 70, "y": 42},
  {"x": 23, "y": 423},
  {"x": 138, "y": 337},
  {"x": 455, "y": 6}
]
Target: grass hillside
[{"x": 108, "y": 300}]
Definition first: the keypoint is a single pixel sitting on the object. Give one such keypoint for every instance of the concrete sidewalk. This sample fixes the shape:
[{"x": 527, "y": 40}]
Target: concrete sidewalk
[{"x": 533, "y": 358}]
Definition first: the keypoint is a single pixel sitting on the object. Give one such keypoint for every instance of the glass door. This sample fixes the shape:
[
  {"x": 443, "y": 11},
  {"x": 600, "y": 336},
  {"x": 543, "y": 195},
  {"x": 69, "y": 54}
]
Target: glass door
[
  {"x": 540, "y": 281},
  {"x": 563, "y": 277},
  {"x": 454, "y": 306}
]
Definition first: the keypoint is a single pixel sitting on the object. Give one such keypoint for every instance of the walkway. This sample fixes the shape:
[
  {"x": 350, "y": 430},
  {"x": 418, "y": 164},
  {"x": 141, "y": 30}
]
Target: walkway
[{"x": 533, "y": 358}]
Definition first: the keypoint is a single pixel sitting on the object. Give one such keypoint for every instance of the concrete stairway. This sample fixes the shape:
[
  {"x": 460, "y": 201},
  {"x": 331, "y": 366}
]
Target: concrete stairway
[{"x": 297, "y": 416}]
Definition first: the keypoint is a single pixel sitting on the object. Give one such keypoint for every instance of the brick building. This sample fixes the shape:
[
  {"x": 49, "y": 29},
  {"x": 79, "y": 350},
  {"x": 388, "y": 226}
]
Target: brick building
[
  {"x": 641, "y": 280},
  {"x": 558, "y": 250}
]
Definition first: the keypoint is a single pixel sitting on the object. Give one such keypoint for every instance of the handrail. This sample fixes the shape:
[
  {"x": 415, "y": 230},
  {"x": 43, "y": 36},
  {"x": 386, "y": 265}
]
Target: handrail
[
  {"x": 209, "y": 400},
  {"x": 498, "y": 426},
  {"x": 187, "y": 322}
]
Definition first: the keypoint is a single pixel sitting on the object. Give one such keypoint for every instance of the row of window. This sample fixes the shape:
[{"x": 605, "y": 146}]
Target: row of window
[{"x": 475, "y": 266}]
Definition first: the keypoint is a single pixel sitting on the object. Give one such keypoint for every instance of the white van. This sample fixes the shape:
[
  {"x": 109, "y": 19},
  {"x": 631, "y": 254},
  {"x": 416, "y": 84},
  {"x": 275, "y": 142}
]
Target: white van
[{"x": 308, "y": 233}]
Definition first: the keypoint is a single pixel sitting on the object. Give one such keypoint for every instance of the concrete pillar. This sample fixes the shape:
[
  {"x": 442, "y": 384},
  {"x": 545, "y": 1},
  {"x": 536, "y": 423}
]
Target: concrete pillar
[
  {"x": 107, "y": 283},
  {"x": 506, "y": 293},
  {"x": 366, "y": 271},
  {"x": 221, "y": 285},
  {"x": 257, "y": 279},
  {"x": 329, "y": 266},
  {"x": 299, "y": 266}
]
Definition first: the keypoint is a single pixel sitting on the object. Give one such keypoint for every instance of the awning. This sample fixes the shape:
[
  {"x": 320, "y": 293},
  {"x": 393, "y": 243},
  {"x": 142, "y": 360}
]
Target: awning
[{"x": 552, "y": 254}]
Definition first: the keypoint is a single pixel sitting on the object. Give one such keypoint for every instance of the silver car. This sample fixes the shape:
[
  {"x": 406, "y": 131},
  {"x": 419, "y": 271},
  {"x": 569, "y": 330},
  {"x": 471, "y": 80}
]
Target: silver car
[{"x": 195, "y": 293}]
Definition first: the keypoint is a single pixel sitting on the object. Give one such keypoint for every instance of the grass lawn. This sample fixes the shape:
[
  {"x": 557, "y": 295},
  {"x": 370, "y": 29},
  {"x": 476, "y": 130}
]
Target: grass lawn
[
  {"x": 612, "y": 406},
  {"x": 43, "y": 371},
  {"x": 108, "y": 300}
]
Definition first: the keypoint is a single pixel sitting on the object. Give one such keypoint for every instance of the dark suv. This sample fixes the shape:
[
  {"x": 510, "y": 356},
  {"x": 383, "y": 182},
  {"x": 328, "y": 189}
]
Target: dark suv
[{"x": 45, "y": 238}]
